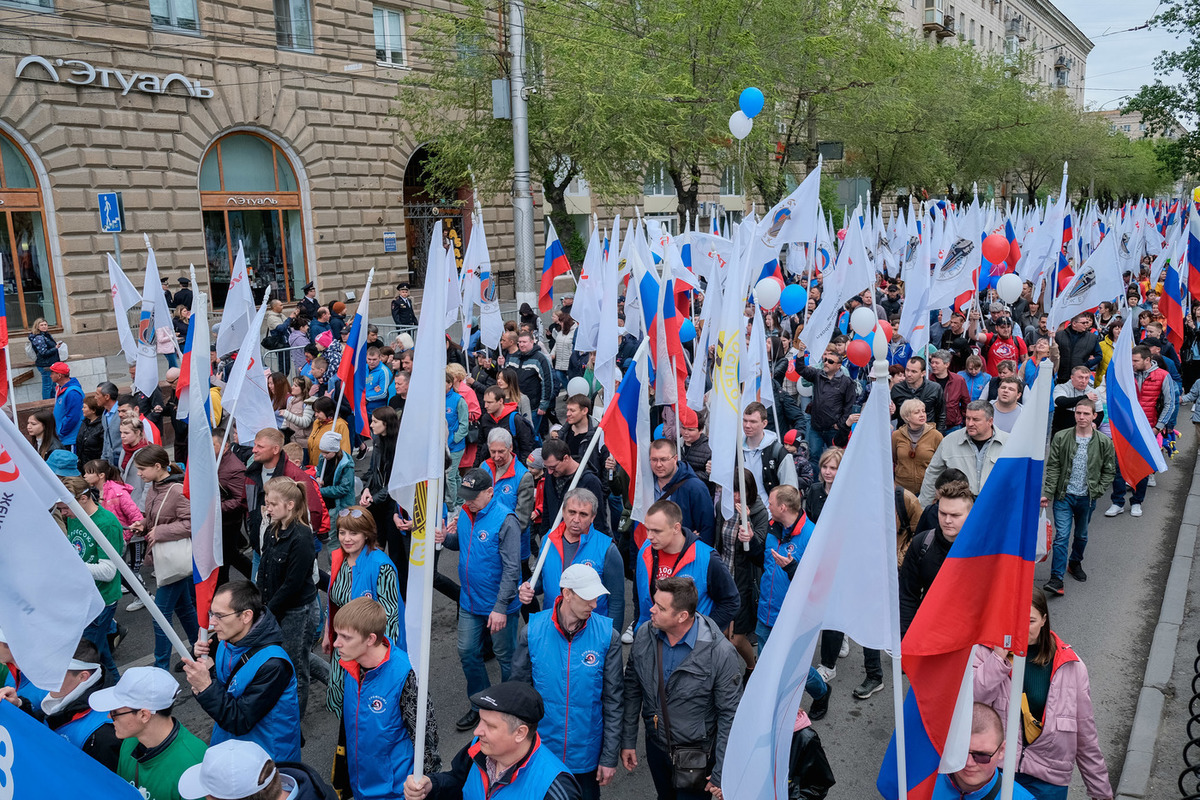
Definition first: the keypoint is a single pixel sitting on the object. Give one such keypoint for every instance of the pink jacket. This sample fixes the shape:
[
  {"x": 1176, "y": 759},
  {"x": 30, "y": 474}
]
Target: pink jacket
[
  {"x": 116, "y": 499},
  {"x": 1068, "y": 727}
]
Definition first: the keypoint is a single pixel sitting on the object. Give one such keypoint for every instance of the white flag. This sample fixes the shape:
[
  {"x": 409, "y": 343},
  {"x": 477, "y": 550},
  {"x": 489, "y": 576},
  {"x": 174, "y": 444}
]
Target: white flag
[
  {"x": 851, "y": 274},
  {"x": 246, "y": 394},
  {"x": 47, "y": 595},
  {"x": 608, "y": 338},
  {"x": 239, "y": 308},
  {"x": 124, "y": 296},
  {"x": 201, "y": 476},
  {"x": 846, "y": 581},
  {"x": 1098, "y": 280},
  {"x": 155, "y": 315},
  {"x": 725, "y": 418},
  {"x": 589, "y": 296}
]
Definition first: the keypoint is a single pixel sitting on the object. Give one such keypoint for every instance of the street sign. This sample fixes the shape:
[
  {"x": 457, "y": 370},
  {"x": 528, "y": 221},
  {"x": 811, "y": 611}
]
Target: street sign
[
  {"x": 112, "y": 212},
  {"x": 389, "y": 242}
]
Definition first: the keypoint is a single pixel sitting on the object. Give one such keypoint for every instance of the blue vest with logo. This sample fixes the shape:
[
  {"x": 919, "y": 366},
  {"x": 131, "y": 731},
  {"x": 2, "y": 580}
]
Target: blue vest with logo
[
  {"x": 774, "y": 583},
  {"x": 364, "y": 580},
  {"x": 452, "y": 400},
  {"x": 25, "y": 687},
  {"x": 379, "y": 751},
  {"x": 79, "y": 729},
  {"x": 279, "y": 731},
  {"x": 479, "y": 565},
  {"x": 531, "y": 781},
  {"x": 691, "y": 561},
  {"x": 593, "y": 550},
  {"x": 570, "y": 677},
  {"x": 505, "y": 488}
]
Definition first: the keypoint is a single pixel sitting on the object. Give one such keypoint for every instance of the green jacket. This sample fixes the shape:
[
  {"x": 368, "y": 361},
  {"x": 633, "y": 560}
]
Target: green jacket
[
  {"x": 157, "y": 771},
  {"x": 1101, "y": 464},
  {"x": 91, "y": 553}
]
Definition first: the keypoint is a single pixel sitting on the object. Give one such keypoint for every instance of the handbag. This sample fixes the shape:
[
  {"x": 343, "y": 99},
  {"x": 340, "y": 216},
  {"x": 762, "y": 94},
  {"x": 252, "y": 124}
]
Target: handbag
[
  {"x": 1045, "y": 539},
  {"x": 173, "y": 559},
  {"x": 689, "y": 765}
]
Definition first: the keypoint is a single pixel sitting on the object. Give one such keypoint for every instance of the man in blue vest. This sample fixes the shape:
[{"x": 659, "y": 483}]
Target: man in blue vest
[
  {"x": 249, "y": 689},
  {"x": 68, "y": 713},
  {"x": 379, "y": 384},
  {"x": 576, "y": 541},
  {"x": 506, "y": 760},
  {"x": 668, "y": 551},
  {"x": 380, "y": 688},
  {"x": 488, "y": 539},
  {"x": 505, "y": 470},
  {"x": 573, "y": 658}
]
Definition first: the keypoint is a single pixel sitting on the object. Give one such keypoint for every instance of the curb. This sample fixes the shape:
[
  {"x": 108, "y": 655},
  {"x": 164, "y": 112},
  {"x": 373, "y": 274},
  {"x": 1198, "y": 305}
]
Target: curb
[{"x": 1143, "y": 737}]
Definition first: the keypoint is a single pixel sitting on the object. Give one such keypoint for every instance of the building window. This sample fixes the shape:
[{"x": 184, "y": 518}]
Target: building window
[
  {"x": 177, "y": 14},
  {"x": 29, "y": 292},
  {"x": 389, "y": 37},
  {"x": 249, "y": 195},
  {"x": 44, "y": 5},
  {"x": 658, "y": 180},
  {"x": 731, "y": 181},
  {"x": 293, "y": 25}
]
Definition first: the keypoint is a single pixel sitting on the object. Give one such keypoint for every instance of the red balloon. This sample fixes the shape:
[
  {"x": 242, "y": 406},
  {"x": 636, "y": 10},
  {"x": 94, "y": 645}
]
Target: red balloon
[
  {"x": 886, "y": 327},
  {"x": 859, "y": 352},
  {"x": 995, "y": 248},
  {"x": 1014, "y": 254}
]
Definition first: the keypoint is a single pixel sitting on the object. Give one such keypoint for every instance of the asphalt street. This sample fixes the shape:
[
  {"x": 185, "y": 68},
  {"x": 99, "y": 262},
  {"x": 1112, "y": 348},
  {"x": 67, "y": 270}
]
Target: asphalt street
[{"x": 1109, "y": 620}]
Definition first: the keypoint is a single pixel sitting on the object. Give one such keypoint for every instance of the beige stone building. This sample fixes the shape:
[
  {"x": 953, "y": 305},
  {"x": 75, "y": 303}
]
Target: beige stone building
[
  {"x": 1130, "y": 123},
  {"x": 260, "y": 122}
]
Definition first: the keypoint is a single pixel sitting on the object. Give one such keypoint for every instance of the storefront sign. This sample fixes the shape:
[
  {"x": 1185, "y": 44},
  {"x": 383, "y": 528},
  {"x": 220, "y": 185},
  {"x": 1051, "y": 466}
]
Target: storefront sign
[
  {"x": 81, "y": 73},
  {"x": 241, "y": 200}
]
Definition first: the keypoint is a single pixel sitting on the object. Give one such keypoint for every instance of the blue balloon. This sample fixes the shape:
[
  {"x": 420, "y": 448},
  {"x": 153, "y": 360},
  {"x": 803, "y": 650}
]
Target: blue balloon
[
  {"x": 793, "y": 299},
  {"x": 658, "y": 432},
  {"x": 687, "y": 331},
  {"x": 751, "y": 102}
]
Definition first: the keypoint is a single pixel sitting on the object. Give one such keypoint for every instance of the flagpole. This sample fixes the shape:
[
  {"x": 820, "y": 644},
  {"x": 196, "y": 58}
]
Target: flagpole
[
  {"x": 362, "y": 335},
  {"x": 12, "y": 392},
  {"x": 432, "y": 504},
  {"x": 741, "y": 478},
  {"x": 587, "y": 455}
]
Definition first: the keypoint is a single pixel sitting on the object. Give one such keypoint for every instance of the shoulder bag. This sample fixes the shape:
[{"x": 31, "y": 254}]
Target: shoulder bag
[
  {"x": 173, "y": 559},
  {"x": 689, "y": 765}
]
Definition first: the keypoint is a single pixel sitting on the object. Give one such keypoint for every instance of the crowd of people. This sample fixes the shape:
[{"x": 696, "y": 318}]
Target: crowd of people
[{"x": 312, "y": 592}]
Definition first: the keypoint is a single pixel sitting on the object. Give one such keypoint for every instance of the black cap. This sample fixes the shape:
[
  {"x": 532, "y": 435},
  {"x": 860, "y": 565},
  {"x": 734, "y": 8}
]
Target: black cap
[
  {"x": 1152, "y": 341},
  {"x": 164, "y": 278},
  {"x": 184, "y": 282},
  {"x": 308, "y": 287},
  {"x": 512, "y": 697},
  {"x": 474, "y": 482},
  {"x": 402, "y": 286}
]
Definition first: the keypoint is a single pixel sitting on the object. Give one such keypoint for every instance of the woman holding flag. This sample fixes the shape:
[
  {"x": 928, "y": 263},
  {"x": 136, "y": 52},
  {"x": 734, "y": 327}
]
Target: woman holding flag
[{"x": 1058, "y": 728}]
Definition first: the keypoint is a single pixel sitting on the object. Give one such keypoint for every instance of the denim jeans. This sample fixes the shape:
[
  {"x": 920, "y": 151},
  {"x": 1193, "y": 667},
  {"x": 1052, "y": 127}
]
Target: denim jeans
[
  {"x": 97, "y": 633},
  {"x": 471, "y": 628},
  {"x": 1040, "y": 789},
  {"x": 817, "y": 442},
  {"x": 172, "y": 359},
  {"x": 1072, "y": 511},
  {"x": 815, "y": 685},
  {"x": 1120, "y": 487},
  {"x": 299, "y": 627},
  {"x": 174, "y": 598},
  {"x": 47, "y": 384},
  {"x": 453, "y": 478}
]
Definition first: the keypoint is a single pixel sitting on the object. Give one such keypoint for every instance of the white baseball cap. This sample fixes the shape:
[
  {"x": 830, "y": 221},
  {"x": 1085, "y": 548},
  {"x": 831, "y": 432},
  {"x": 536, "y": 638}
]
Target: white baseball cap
[
  {"x": 140, "y": 687},
  {"x": 229, "y": 771},
  {"x": 583, "y": 581}
]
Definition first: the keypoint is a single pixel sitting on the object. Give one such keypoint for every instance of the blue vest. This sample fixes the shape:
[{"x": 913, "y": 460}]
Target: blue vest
[
  {"x": 593, "y": 550},
  {"x": 531, "y": 781},
  {"x": 479, "y": 565},
  {"x": 25, "y": 688},
  {"x": 279, "y": 731},
  {"x": 692, "y": 561},
  {"x": 78, "y": 730},
  {"x": 570, "y": 678},
  {"x": 452, "y": 401},
  {"x": 364, "y": 578},
  {"x": 505, "y": 488},
  {"x": 379, "y": 751},
  {"x": 774, "y": 582}
]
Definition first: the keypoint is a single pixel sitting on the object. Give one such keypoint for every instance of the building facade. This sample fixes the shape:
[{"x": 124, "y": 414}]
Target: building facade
[{"x": 264, "y": 124}]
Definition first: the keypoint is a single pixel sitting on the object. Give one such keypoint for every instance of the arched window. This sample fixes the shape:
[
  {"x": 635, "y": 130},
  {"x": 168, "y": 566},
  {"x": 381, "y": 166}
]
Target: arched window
[
  {"x": 249, "y": 194},
  {"x": 24, "y": 249}
]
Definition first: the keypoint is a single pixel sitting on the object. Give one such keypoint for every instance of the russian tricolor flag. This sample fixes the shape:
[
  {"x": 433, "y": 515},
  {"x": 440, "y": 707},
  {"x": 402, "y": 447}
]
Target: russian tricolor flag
[
  {"x": 1138, "y": 453},
  {"x": 1193, "y": 252},
  {"x": 627, "y": 434},
  {"x": 1172, "y": 306},
  {"x": 352, "y": 372},
  {"x": 1065, "y": 270},
  {"x": 980, "y": 596},
  {"x": 553, "y": 264}
]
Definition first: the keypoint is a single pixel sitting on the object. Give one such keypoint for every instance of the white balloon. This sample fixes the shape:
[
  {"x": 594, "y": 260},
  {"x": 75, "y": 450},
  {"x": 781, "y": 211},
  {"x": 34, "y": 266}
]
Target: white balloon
[
  {"x": 578, "y": 385},
  {"x": 740, "y": 125},
  {"x": 1009, "y": 287},
  {"x": 879, "y": 346},
  {"x": 767, "y": 291},
  {"x": 863, "y": 321}
]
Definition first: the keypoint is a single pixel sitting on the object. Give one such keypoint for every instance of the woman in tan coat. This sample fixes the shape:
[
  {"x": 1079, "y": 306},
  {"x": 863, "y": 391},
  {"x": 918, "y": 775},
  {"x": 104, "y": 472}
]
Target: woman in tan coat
[{"x": 913, "y": 445}]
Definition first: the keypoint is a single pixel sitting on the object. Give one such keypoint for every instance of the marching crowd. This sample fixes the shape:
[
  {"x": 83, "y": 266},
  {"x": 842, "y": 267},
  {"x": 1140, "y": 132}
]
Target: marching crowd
[{"x": 313, "y": 589}]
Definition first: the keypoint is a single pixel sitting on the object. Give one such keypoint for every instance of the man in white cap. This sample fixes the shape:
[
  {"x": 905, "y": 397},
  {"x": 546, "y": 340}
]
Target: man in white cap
[
  {"x": 241, "y": 770},
  {"x": 573, "y": 658},
  {"x": 155, "y": 748}
]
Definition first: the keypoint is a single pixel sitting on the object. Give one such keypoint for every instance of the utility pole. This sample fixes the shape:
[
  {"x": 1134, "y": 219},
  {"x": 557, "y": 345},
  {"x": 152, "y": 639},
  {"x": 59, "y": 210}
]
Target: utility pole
[{"x": 527, "y": 291}]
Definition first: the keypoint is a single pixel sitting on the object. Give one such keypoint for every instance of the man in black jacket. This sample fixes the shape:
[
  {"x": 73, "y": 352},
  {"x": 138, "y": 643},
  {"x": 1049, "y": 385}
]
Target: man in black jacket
[
  {"x": 833, "y": 397},
  {"x": 929, "y": 548},
  {"x": 499, "y": 414},
  {"x": 916, "y": 386},
  {"x": 1078, "y": 346},
  {"x": 561, "y": 467}
]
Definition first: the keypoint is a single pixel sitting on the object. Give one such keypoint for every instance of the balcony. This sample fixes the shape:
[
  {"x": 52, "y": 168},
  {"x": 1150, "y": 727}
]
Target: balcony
[{"x": 947, "y": 28}]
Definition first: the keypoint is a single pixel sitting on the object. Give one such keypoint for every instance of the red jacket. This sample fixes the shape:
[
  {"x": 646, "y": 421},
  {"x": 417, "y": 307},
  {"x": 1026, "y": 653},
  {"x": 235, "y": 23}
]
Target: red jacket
[
  {"x": 1149, "y": 394},
  {"x": 955, "y": 395}
]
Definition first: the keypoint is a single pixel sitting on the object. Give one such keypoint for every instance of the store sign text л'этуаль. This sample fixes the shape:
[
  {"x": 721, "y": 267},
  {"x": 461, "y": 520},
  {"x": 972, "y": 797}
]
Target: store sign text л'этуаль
[{"x": 81, "y": 73}]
